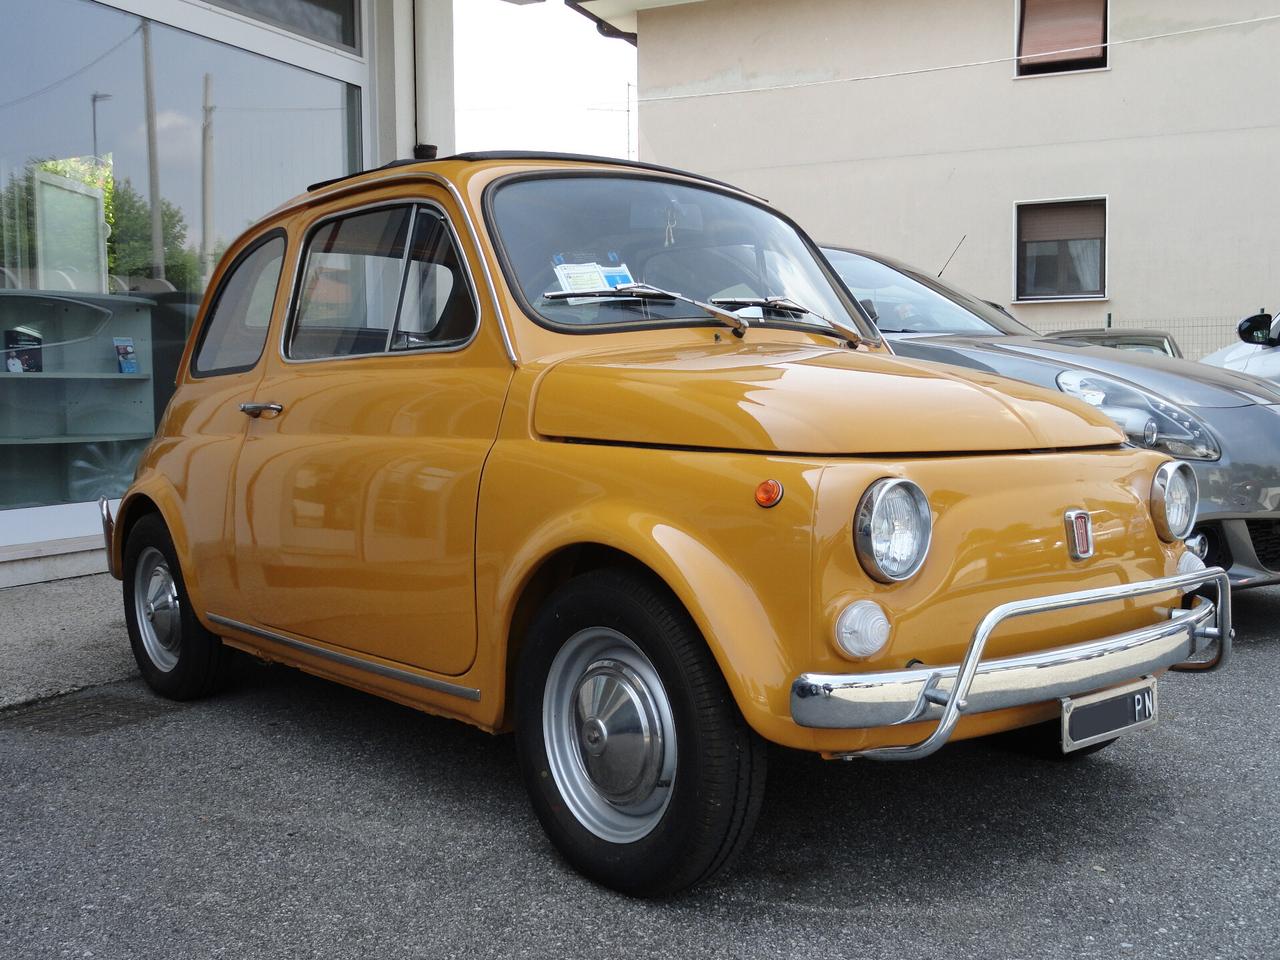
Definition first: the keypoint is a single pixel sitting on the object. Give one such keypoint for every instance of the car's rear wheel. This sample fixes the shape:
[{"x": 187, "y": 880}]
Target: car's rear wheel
[
  {"x": 638, "y": 763},
  {"x": 177, "y": 656}
]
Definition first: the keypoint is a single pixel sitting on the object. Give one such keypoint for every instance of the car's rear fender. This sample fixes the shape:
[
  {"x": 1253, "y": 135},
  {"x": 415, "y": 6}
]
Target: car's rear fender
[{"x": 153, "y": 493}]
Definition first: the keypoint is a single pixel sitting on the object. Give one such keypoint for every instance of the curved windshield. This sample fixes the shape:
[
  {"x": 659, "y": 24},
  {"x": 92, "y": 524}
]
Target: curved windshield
[
  {"x": 593, "y": 234},
  {"x": 904, "y": 300}
]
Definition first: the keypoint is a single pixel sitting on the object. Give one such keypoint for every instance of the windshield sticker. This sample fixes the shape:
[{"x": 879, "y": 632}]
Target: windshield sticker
[
  {"x": 580, "y": 276},
  {"x": 590, "y": 276},
  {"x": 616, "y": 276}
]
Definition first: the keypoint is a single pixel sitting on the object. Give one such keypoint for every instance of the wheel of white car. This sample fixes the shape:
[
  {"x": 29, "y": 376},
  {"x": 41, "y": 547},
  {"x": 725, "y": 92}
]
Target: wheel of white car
[{"x": 638, "y": 763}]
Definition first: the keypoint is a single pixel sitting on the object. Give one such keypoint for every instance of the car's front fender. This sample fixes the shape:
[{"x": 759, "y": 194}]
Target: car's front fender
[{"x": 740, "y": 570}]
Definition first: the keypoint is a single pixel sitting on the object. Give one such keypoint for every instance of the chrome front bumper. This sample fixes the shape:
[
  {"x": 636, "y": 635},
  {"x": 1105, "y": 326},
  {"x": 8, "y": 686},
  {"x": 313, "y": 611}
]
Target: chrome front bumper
[{"x": 942, "y": 693}]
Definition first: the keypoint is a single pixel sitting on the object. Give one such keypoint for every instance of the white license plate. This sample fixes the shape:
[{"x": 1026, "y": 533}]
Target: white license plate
[{"x": 1103, "y": 716}]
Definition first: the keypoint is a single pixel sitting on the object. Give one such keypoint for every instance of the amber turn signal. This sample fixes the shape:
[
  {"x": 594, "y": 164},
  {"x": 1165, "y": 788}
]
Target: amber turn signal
[{"x": 768, "y": 493}]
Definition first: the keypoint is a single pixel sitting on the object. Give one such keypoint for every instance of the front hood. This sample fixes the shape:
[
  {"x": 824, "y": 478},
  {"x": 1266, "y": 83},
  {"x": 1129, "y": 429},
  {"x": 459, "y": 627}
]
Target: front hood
[
  {"x": 1182, "y": 381},
  {"x": 1233, "y": 357},
  {"x": 789, "y": 398}
]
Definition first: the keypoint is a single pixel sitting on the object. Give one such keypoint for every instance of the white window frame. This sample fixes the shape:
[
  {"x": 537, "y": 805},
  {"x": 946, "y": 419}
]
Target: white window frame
[
  {"x": 216, "y": 22},
  {"x": 1106, "y": 250},
  {"x": 1017, "y": 32}
]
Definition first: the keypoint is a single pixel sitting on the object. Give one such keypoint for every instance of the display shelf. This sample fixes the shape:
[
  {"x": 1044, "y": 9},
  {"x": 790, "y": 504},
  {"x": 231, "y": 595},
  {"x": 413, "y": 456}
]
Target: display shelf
[
  {"x": 72, "y": 438},
  {"x": 72, "y": 375},
  {"x": 77, "y": 424}
]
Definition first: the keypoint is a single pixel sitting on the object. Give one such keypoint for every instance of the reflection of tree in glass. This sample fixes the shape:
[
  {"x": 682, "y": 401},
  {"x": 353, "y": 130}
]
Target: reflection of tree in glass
[
  {"x": 129, "y": 249},
  {"x": 126, "y": 211}
]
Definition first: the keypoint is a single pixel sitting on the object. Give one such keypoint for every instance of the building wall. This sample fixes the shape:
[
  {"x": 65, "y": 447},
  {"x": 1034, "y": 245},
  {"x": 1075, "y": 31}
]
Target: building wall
[{"x": 1182, "y": 135}]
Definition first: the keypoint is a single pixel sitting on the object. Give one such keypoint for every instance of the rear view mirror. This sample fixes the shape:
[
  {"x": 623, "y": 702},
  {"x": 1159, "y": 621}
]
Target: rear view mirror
[
  {"x": 1258, "y": 329},
  {"x": 869, "y": 305}
]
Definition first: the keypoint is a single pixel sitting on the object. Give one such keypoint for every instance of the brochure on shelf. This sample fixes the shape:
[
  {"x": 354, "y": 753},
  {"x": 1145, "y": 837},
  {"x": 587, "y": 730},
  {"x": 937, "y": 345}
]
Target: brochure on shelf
[
  {"x": 22, "y": 352},
  {"x": 126, "y": 355}
]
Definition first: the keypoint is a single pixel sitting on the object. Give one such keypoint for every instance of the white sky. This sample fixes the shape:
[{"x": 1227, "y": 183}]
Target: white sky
[{"x": 539, "y": 77}]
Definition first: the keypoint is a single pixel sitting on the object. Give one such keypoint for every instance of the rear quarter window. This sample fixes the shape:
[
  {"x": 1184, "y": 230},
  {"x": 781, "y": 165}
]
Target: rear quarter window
[{"x": 235, "y": 330}]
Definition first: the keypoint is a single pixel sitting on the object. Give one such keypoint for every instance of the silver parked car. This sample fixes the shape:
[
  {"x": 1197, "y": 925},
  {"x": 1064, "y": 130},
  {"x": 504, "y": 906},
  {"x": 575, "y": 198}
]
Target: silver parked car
[{"x": 1225, "y": 424}]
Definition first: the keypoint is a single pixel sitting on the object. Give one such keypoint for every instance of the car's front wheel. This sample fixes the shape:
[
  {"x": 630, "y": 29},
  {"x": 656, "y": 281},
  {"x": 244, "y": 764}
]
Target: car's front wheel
[
  {"x": 639, "y": 765},
  {"x": 177, "y": 656}
]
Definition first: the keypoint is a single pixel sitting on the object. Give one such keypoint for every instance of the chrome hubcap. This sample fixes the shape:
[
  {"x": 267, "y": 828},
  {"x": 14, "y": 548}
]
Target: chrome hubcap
[
  {"x": 609, "y": 735},
  {"x": 155, "y": 601}
]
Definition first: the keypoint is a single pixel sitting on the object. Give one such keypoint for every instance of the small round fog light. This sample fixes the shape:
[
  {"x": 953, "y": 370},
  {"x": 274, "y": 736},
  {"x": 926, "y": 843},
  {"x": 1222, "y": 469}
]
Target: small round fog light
[
  {"x": 862, "y": 628},
  {"x": 1189, "y": 563}
]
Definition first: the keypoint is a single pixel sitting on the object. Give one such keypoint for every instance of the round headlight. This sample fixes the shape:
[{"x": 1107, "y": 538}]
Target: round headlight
[
  {"x": 862, "y": 628},
  {"x": 1175, "y": 494},
  {"x": 892, "y": 528}
]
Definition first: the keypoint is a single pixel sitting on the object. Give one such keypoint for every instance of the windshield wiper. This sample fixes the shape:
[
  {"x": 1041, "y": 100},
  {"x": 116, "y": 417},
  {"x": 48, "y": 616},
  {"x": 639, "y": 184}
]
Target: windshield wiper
[
  {"x": 644, "y": 291},
  {"x": 787, "y": 305}
]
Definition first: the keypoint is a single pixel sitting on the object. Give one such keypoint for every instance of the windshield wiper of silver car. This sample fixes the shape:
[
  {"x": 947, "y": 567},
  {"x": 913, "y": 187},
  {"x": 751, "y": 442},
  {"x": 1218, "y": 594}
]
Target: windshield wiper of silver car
[
  {"x": 644, "y": 291},
  {"x": 787, "y": 305}
]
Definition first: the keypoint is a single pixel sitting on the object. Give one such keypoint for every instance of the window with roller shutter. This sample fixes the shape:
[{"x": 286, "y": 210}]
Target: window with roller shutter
[
  {"x": 1055, "y": 36},
  {"x": 1061, "y": 250}
]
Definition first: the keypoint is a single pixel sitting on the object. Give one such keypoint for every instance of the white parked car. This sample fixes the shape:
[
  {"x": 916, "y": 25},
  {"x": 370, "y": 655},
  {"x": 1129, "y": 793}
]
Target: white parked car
[{"x": 1258, "y": 353}]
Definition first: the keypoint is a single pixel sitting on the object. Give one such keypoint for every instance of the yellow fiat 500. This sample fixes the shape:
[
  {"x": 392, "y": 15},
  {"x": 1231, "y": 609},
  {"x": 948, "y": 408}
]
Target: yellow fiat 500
[{"x": 604, "y": 454}]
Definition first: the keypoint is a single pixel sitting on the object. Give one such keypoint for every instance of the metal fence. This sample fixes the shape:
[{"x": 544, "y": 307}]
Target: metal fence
[{"x": 1197, "y": 336}]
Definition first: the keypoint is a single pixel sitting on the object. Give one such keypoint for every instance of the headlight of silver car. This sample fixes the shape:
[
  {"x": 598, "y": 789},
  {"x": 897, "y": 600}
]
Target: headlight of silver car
[
  {"x": 1175, "y": 495},
  {"x": 1146, "y": 420},
  {"x": 892, "y": 529}
]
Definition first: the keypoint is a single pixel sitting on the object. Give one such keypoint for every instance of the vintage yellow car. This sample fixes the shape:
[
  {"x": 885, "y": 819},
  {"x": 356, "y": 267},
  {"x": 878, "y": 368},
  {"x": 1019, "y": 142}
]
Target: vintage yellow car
[{"x": 604, "y": 454}]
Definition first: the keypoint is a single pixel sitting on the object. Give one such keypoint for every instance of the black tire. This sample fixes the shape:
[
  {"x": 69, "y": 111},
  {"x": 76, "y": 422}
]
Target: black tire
[
  {"x": 1044, "y": 741},
  {"x": 194, "y": 662},
  {"x": 717, "y": 781}
]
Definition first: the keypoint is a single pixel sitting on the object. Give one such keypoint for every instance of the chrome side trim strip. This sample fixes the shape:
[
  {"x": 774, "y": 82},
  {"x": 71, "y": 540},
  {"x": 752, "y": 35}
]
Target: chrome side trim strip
[
  {"x": 484, "y": 266},
  {"x": 889, "y": 698},
  {"x": 368, "y": 666}
]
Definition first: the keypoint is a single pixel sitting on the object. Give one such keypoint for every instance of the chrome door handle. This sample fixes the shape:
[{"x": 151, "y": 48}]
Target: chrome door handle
[{"x": 256, "y": 410}]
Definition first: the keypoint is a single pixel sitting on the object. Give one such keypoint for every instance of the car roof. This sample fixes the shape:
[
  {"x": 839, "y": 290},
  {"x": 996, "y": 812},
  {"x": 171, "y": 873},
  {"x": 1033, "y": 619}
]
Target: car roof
[{"x": 478, "y": 156}]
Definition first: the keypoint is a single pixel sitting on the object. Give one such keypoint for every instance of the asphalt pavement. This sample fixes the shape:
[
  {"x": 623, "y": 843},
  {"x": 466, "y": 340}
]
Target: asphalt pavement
[{"x": 290, "y": 817}]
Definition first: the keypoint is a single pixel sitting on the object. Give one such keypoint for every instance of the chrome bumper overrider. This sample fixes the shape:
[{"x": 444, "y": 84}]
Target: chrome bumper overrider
[
  {"x": 108, "y": 531},
  {"x": 942, "y": 693}
]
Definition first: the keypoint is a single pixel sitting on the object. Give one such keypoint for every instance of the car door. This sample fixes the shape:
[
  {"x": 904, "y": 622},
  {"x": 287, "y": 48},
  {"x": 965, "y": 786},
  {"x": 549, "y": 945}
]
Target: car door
[
  {"x": 359, "y": 478},
  {"x": 203, "y": 429}
]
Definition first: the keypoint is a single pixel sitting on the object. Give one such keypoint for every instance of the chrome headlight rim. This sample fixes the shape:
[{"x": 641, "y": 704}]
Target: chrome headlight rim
[
  {"x": 871, "y": 500},
  {"x": 1159, "y": 499}
]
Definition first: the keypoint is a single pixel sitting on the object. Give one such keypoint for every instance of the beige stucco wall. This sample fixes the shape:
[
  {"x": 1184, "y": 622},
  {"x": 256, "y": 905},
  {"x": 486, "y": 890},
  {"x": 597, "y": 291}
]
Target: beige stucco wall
[{"x": 1182, "y": 135}]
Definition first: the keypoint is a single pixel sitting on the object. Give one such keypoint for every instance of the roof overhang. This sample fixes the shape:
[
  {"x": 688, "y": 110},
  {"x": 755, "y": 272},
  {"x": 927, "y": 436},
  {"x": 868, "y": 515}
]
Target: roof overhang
[
  {"x": 621, "y": 14},
  {"x": 614, "y": 18}
]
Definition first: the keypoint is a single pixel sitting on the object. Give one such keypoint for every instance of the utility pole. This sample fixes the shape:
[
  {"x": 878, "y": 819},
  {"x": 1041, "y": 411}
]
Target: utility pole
[
  {"x": 94, "y": 99},
  {"x": 153, "y": 166},
  {"x": 629, "y": 156},
  {"x": 206, "y": 183}
]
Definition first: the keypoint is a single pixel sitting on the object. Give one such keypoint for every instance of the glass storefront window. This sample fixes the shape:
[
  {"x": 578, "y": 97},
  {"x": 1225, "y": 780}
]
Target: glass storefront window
[
  {"x": 114, "y": 208},
  {"x": 332, "y": 21}
]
